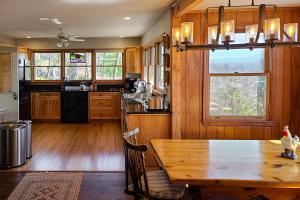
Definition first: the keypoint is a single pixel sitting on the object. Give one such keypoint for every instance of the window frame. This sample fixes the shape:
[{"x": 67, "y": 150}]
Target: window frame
[
  {"x": 160, "y": 65},
  {"x": 32, "y": 66},
  {"x": 94, "y": 62},
  {"x": 234, "y": 120}
]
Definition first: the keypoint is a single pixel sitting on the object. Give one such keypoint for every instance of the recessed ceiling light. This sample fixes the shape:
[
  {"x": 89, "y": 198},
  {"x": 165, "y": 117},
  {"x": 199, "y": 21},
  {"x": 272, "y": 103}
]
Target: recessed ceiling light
[
  {"x": 44, "y": 18},
  {"x": 121, "y": 36},
  {"x": 28, "y": 36},
  {"x": 127, "y": 18},
  {"x": 56, "y": 21}
]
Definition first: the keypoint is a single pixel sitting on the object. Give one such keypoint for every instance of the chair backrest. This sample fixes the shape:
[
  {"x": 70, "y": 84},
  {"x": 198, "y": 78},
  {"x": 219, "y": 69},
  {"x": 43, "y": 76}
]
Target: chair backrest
[
  {"x": 131, "y": 135},
  {"x": 136, "y": 167}
]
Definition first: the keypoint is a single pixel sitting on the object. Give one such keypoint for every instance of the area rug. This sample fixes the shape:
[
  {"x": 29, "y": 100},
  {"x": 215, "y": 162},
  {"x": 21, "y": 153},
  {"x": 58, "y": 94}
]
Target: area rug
[{"x": 48, "y": 186}]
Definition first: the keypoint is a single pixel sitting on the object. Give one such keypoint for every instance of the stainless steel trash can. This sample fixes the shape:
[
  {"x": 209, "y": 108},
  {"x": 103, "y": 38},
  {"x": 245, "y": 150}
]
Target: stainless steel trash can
[
  {"x": 28, "y": 124},
  {"x": 12, "y": 145}
]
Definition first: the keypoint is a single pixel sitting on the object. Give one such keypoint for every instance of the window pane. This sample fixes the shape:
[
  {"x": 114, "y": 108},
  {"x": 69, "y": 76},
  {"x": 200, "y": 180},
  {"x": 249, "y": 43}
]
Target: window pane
[
  {"x": 27, "y": 74},
  {"x": 147, "y": 60},
  {"x": 78, "y": 73},
  {"x": 151, "y": 74},
  {"x": 228, "y": 96},
  {"x": 87, "y": 63},
  {"x": 47, "y": 59},
  {"x": 109, "y": 73},
  {"x": 237, "y": 60},
  {"x": 46, "y": 73},
  {"x": 160, "y": 77},
  {"x": 153, "y": 56},
  {"x": 161, "y": 54},
  {"x": 109, "y": 65},
  {"x": 146, "y": 73}
]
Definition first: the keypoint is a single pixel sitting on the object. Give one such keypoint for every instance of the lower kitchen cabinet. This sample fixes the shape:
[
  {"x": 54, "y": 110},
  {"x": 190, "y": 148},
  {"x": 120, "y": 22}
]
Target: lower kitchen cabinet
[
  {"x": 104, "y": 105},
  {"x": 45, "y": 105},
  {"x": 152, "y": 126}
]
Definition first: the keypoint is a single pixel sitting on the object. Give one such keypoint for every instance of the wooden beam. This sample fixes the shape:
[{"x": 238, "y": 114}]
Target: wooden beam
[{"x": 184, "y": 6}]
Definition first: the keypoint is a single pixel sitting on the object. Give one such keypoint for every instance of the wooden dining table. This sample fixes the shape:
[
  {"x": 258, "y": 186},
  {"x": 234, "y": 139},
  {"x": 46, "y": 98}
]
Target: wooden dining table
[{"x": 228, "y": 163}]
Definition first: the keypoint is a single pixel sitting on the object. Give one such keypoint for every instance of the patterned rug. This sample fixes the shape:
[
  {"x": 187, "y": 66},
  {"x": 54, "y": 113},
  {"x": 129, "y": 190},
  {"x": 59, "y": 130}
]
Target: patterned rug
[{"x": 48, "y": 186}]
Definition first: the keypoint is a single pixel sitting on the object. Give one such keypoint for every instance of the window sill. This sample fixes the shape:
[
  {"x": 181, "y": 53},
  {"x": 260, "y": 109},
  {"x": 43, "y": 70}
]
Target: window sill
[{"x": 240, "y": 123}]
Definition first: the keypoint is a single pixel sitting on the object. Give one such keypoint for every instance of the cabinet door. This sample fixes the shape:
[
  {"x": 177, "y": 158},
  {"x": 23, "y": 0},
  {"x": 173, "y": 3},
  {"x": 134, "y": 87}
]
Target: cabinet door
[
  {"x": 133, "y": 60},
  {"x": 42, "y": 108},
  {"x": 54, "y": 108},
  {"x": 116, "y": 105}
]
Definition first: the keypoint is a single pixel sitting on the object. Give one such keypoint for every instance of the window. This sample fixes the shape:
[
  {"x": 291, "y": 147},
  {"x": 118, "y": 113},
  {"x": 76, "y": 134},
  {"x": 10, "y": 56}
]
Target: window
[
  {"x": 152, "y": 66},
  {"x": 109, "y": 66},
  {"x": 237, "y": 83},
  {"x": 146, "y": 64},
  {"x": 160, "y": 67},
  {"x": 78, "y": 70},
  {"x": 24, "y": 63},
  {"x": 46, "y": 66}
]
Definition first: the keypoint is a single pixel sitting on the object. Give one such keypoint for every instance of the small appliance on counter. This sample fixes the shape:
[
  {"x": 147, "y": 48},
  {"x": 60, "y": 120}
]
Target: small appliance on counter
[{"x": 130, "y": 81}]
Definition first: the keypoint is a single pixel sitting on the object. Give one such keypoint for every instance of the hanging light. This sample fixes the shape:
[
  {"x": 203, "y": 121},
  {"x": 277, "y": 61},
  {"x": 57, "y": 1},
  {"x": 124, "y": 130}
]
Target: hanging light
[
  {"x": 227, "y": 31},
  {"x": 212, "y": 35},
  {"x": 251, "y": 32},
  {"x": 272, "y": 29},
  {"x": 176, "y": 34},
  {"x": 187, "y": 32},
  {"x": 291, "y": 30}
]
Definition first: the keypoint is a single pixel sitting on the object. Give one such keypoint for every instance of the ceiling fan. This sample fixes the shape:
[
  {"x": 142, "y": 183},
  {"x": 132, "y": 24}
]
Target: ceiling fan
[{"x": 64, "y": 38}]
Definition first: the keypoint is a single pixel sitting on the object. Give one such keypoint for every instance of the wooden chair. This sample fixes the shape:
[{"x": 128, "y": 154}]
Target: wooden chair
[
  {"x": 131, "y": 136},
  {"x": 153, "y": 184}
]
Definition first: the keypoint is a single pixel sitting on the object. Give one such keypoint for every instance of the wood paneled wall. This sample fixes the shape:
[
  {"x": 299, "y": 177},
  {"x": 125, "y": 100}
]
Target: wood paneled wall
[{"x": 188, "y": 84}]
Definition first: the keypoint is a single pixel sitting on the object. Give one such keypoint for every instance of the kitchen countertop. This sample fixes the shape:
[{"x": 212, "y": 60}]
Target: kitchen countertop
[
  {"x": 135, "y": 107},
  {"x": 55, "y": 90}
]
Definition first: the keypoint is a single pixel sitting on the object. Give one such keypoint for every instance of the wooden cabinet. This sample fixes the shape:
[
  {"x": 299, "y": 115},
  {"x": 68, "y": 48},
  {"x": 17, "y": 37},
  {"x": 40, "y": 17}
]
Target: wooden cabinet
[
  {"x": 133, "y": 60},
  {"x": 104, "y": 105},
  {"x": 152, "y": 126},
  {"x": 45, "y": 105}
]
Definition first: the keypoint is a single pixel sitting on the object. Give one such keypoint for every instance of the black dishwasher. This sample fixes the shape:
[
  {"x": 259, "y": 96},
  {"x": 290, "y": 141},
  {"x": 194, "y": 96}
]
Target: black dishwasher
[{"x": 74, "y": 107}]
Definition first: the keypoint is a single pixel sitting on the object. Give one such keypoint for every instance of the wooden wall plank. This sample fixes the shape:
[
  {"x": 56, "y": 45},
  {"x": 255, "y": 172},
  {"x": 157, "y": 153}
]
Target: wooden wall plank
[
  {"x": 212, "y": 132},
  {"x": 257, "y": 132},
  {"x": 192, "y": 80},
  {"x": 229, "y": 132},
  {"x": 267, "y": 133},
  {"x": 242, "y": 133},
  {"x": 220, "y": 132}
]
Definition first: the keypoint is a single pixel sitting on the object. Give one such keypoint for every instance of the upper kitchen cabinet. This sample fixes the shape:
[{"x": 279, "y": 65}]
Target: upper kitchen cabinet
[{"x": 133, "y": 60}]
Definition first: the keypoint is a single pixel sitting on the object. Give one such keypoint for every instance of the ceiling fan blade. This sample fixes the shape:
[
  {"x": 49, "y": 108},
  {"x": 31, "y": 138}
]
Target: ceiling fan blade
[{"x": 76, "y": 40}]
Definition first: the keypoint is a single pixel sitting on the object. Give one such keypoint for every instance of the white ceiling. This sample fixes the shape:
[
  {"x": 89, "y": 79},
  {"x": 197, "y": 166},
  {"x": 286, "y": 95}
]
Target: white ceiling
[
  {"x": 216, "y": 3},
  {"x": 85, "y": 18}
]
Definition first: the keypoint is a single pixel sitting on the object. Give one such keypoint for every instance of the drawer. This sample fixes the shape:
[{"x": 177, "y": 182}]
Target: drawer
[
  {"x": 101, "y": 94},
  {"x": 49, "y": 94},
  {"x": 100, "y": 114},
  {"x": 96, "y": 103}
]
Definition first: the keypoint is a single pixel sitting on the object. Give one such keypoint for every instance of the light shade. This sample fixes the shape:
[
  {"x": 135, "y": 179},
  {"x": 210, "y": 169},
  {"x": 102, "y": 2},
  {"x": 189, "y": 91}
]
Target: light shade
[
  {"x": 227, "y": 31},
  {"x": 176, "y": 34},
  {"x": 212, "y": 35},
  {"x": 187, "y": 32},
  {"x": 272, "y": 29},
  {"x": 291, "y": 30},
  {"x": 251, "y": 32}
]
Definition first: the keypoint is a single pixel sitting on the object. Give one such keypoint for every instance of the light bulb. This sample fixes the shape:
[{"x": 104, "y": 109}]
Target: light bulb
[
  {"x": 291, "y": 31},
  {"x": 59, "y": 45}
]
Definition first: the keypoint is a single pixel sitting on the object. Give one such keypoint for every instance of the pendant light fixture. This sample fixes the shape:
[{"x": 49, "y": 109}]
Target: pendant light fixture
[{"x": 183, "y": 37}]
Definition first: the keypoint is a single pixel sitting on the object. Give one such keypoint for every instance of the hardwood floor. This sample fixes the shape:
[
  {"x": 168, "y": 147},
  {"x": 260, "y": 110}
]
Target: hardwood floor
[{"x": 96, "y": 146}]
